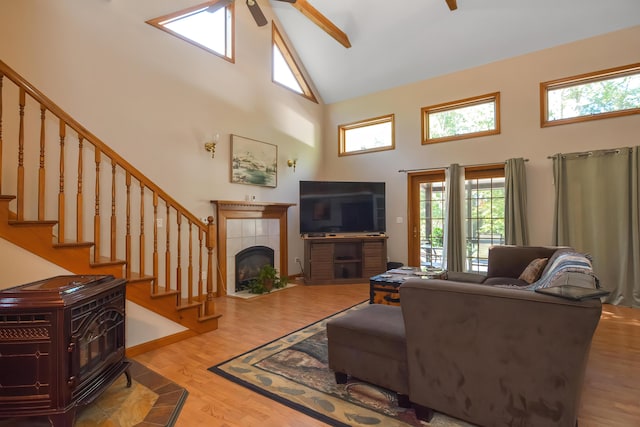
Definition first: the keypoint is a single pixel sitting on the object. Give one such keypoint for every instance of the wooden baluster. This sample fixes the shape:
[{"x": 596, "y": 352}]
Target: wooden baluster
[
  {"x": 190, "y": 266},
  {"x": 141, "y": 228},
  {"x": 128, "y": 226},
  {"x": 179, "y": 257},
  {"x": 61, "y": 222},
  {"x": 113, "y": 210},
  {"x": 167, "y": 255},
  {"x": 96, "y": 216},
  {"x": 41, "y": 170},
  {"x": 200, "y": 266},
  {"x": 211, "y": 242},
  {"x": 155, "y": 242},
  {"x": 20, "y": 196},
  {"x": 1, "y": 161},
  {"x": 79, "y": 201}
]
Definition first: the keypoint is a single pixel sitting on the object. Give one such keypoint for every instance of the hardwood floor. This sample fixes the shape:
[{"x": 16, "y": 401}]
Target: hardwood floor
[{"x": 611, "y": 394}]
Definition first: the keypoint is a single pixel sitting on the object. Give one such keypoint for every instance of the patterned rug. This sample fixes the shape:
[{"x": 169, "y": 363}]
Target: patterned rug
[
  {"x": 152, "y": 400},
  {"x": 293, "y": 370}
]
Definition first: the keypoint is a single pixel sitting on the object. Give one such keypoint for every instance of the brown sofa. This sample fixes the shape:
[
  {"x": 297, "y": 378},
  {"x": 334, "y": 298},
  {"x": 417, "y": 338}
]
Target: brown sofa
[
  {"x": 494, "y": 356},
  {"x": 491, "y": 355}
]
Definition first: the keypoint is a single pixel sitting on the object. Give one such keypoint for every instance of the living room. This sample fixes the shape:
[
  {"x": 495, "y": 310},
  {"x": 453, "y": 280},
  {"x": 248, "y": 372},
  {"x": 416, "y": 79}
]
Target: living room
[{"x": 156, "y": 102}]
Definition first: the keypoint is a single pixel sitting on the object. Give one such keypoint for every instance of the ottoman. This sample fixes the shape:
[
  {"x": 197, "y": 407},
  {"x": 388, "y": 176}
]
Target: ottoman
[{"x": 369, "y": 344}]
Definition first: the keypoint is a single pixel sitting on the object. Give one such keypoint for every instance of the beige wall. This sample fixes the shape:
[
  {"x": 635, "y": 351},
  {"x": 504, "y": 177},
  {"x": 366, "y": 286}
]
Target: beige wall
[
  {"x": 518, "y": 80},
  {"x": 156, "y": 100}
]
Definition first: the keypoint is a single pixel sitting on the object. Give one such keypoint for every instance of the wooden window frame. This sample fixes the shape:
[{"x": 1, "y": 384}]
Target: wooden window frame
[
  {"x": 230, "y": 6},
  {"x": 578, "y": 80},
  {"x": 277, "y": 40},
  {"x": 342, "y": 130},
  {"x": 454, "y": 105},
  {"x": 491, "y": 171}
]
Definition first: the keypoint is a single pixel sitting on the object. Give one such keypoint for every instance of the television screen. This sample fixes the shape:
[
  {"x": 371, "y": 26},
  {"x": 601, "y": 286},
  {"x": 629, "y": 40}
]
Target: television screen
[{"x": 342, "y": 207}]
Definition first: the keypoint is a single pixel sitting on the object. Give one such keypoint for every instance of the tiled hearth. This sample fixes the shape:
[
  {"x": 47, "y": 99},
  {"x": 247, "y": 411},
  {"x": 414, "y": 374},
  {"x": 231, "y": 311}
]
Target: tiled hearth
[{"x": 244, "y": 224}]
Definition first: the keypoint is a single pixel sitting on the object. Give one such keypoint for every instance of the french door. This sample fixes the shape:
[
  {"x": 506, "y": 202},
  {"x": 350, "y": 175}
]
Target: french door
[{"x": 426, "y": 201}]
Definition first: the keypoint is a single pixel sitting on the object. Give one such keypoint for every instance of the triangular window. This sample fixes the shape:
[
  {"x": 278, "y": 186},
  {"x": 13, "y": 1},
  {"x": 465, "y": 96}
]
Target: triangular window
[
  {"x": 285, "y": 71},
  {"x": 208, "y": 25}
]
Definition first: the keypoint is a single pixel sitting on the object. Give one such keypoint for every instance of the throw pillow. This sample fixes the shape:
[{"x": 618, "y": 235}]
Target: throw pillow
[{"x": 533, "y": 270}]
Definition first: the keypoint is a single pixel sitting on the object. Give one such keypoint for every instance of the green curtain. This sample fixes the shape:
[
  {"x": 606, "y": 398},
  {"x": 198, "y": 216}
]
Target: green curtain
[
  {"x": 597, "y": 211},
  {"x": 454, "y": 230},
  {"x": 515, "y": 203}
]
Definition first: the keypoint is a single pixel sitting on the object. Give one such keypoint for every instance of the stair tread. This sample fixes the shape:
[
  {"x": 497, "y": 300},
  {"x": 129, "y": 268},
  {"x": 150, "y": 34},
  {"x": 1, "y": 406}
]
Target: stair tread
[
  {"x": 209, "y": 317},
  {"x": 137, "y": 277},
  {"x": 32, "y": 223},
  {"x": 6, "y": 197},
  {"x": 184, "y": 305},
  {"x": 102, "y": 261},
  {"x": 72, "y": 244}
]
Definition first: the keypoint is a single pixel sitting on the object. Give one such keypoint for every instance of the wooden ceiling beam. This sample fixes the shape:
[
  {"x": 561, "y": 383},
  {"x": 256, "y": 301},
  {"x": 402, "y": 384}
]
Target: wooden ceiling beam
[
  {"x": 453, "y": 4},
  {"x": 323, "y": 22}
]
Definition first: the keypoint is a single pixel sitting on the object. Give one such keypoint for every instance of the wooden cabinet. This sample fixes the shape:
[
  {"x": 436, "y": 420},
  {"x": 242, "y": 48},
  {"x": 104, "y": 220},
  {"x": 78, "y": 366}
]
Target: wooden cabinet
[{"x": 344, "y": 259}]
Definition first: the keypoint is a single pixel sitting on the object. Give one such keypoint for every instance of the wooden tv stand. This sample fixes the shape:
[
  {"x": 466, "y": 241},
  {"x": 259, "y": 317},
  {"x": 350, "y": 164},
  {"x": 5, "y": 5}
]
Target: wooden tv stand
[{"x": 344, "y": 258}]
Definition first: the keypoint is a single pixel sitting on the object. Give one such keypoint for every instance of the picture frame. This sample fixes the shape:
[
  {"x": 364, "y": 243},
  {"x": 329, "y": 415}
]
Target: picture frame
[{"x": 253, "y": 162}]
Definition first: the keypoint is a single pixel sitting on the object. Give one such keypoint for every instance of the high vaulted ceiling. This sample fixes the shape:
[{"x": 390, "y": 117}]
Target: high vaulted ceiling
[{"x": 404, "y": 41}]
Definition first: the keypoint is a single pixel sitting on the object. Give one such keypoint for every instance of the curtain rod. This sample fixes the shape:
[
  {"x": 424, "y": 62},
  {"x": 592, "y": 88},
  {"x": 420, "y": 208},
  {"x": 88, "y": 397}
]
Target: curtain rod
[
  {"x": 447, "y": 167},
  {"x": 588, "y": 153}
]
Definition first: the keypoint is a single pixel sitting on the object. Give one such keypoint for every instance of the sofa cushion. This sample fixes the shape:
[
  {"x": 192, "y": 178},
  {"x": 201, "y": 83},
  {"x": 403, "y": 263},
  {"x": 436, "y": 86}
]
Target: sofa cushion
[
  {"x": 510, "y": 261},
  {"x": 505, "y": 282},
  {"x": 533, "y": 270}
]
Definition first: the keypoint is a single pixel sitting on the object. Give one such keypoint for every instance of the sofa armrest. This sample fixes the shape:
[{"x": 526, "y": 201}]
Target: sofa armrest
[
  {"x": 459, "y": 276},
  {"x": 496, "y": 356}
]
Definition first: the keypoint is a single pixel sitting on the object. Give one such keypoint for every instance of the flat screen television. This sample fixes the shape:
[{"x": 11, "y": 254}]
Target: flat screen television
[{"x": 335, "y": 207}]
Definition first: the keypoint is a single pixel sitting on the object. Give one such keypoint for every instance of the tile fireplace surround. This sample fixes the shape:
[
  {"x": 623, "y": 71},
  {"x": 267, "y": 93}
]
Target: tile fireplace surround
[{"x": 244, "y": 224}]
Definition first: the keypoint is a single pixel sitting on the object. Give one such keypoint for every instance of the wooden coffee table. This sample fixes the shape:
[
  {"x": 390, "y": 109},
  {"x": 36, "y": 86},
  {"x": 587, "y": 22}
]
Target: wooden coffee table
[{"x": 383, "y": 288}]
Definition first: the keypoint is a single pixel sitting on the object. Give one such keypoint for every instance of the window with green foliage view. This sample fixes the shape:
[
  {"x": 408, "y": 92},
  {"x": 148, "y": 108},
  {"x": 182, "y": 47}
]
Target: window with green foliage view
[
  {"x": 466, "y": 118},
  {"x": 608, "y": 93}
]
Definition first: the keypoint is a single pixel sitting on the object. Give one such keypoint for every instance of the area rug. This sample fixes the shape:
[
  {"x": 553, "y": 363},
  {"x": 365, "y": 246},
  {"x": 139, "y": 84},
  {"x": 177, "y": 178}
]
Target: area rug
[
  {"x": 152, "y": 400},
  {"x": 293, "y": 370}
]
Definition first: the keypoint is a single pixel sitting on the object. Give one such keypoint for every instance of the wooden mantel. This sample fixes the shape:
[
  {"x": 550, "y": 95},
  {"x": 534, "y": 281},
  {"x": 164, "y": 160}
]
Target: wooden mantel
[{"x": 226, "y": 209}]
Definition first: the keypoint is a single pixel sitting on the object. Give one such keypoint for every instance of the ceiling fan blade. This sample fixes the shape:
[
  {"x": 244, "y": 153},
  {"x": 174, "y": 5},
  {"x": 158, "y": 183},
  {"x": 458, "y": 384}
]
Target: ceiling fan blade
[
  {"x": 288, "y": 1},
  {"x": 322, "y": 21},
  {"x": 453, "y": 4},
  {"x": 256, "y": 12}
]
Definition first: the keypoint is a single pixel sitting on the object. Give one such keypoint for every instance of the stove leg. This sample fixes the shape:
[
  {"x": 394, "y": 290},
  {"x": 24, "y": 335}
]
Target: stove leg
[{"x": 63, "y": 420}]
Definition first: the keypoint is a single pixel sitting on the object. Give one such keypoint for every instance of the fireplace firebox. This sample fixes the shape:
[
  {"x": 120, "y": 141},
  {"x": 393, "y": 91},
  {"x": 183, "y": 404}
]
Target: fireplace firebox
[
  {"x": 62, "y": 343},
  {"x": 249, "y": 261}
]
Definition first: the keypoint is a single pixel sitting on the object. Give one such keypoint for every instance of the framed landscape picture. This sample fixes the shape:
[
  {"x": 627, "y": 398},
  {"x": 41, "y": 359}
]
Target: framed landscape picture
[{"x": 253, "y": 162}]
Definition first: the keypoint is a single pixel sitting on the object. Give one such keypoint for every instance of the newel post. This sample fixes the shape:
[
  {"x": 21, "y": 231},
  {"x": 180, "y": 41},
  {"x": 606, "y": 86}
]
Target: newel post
[{"x": 211, "y": 243}]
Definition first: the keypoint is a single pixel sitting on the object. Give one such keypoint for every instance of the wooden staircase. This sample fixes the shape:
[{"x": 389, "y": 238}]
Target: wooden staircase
[{"x": 176, "y": 287}]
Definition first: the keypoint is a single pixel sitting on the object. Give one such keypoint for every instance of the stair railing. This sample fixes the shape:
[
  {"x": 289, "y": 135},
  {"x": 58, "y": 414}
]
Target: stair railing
[{"x": 34, "y": 124}]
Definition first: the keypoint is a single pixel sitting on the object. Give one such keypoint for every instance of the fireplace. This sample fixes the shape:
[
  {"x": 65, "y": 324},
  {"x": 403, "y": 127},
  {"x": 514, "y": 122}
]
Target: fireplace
[
  {"x": 241, "y": 225},
  {"x": 62, "y": 343},
  {"x": 249, "y": 261}
]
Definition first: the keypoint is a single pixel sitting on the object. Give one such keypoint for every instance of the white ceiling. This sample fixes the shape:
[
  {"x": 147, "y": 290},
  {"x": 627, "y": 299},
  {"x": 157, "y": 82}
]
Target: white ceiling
[{"x": 395, "y": 42}]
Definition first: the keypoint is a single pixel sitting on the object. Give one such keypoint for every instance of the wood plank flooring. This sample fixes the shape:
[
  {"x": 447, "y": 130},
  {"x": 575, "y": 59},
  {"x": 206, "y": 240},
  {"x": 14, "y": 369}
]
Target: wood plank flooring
[{"x": 611, "y": 394}]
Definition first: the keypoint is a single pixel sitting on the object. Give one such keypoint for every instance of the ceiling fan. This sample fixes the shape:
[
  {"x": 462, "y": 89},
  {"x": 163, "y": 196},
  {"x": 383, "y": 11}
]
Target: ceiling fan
[{"x": 256, "y": 12}]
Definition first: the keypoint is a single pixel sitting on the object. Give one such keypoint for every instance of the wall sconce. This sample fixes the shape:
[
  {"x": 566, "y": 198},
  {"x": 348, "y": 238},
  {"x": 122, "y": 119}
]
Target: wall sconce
[
  {"x": 211, "y": 145},
  {"x": 292, "y": 164}
]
